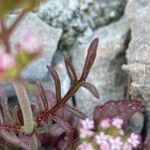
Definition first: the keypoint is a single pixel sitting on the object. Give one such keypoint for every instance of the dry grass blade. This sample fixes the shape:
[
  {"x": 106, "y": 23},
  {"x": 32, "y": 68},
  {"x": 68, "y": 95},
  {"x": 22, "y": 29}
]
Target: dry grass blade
[
  {"x": 57, "y": 82},
  {"x": 70, "y": 70},
  {"x": 4, "y": 101},
  {"x": 43, "y": 95},
  {"x": 91, "y": 88},
  {"x": 89, "y": 59}
]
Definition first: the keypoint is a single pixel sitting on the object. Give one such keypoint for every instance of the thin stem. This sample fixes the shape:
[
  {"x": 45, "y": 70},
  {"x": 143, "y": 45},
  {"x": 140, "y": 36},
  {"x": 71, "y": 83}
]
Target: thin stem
[
  {"x": 6, "y": 32},
  {"x": 128, "y": 86},
  {"x": 17, "y": 21},
  {"x": 60, "y": 103},
  {"x": 25, "y": 105},
  {"x": 5, "y": 40}
]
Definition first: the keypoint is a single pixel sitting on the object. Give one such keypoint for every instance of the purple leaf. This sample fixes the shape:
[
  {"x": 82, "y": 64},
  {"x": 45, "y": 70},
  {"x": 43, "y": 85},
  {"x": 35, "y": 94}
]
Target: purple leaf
[
  {"x": 89, "y": 59},
  {"x": 57, "y": 82},
  {"x": 122, "y": 109},
  {"x": 75, "y": 111},
  {"x": 42, "y": 94},
  {"x": 91, "y": 88},
  {"x": 70, "y": 70},
  {"x": 51, "y": 99}
]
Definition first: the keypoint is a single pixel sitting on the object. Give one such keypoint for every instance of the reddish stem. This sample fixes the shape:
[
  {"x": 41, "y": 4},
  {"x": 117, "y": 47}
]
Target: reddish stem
[{"x": 40, "y": 119}]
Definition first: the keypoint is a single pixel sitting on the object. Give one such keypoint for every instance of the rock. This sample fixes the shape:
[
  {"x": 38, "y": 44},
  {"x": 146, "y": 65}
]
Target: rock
[
  {"x": 136, "y": 122},
  {"x": 79, "y": 16},
  {"x": 138, "y": 13},
  {"x": 138, "y": 52},
  {"x": 59, "y": 65},
  {"x": 106, "y": 74},
  {"x": 49, "y": 38},
  {"x": 48, "y": 82},
  {"x": 49, "y": 42}
]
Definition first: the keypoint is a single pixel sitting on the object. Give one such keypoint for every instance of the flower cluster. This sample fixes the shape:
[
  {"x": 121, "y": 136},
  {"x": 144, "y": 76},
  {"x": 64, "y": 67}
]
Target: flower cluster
[
  {"x": 7, "y": 61},
  {"x": 110, "y": 136},
  {"x": 26, "y": 50}
]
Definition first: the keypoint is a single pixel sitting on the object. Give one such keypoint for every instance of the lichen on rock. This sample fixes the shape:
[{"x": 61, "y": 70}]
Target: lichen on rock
[{"x": 76, "y": 17}]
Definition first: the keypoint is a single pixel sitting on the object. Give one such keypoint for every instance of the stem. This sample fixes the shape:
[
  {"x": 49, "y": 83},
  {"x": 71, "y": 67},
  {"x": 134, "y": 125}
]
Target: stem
[
  {"x": 25, "y": 105},
  {"x": 60, "y": 103},
  {"x": 5, "y": 40},
  {"x": 17, "y": 21},
  {"x": 6, "y": 32}
]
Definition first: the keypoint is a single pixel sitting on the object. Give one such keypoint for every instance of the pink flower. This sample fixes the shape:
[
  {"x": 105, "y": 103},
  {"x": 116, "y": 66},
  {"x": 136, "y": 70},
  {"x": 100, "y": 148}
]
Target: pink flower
[
  {"x": 134, "y": 140},
  {"x": 101, "y": 138},
  {"x": 127, "y": 146},
  {"x": 121, "y": 132},
  {"x": 7, "y": 61},
  {"x": 105, "y": 123},
  {"x": 85, "y": 146},
  {"x": 85, "y": 133},
  {"x": 29, "y": 42},
  {"x": 117, "y": 122},
  {"x": 116, "y": 143},
  {"x": 87, "y": 124},
  {"x": 105, "y": 146}
]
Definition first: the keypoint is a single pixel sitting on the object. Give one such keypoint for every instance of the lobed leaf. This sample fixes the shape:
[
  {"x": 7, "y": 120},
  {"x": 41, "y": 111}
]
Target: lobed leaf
[{"x": 122, "y": 109}]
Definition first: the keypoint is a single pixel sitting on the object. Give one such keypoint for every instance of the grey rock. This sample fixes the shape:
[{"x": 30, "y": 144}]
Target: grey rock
[
  {"x": 138, "y": 52},
  {"x": 49, "y": 38},
  {"x": 59, "y": 65},
  {"x": 106, "y": 74},
  {"x": 79, "y": 16},
  {"x": 138, "y": 13},
  {"x": 136, "y": 122},
  {"x": 48, "y": 82}
]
